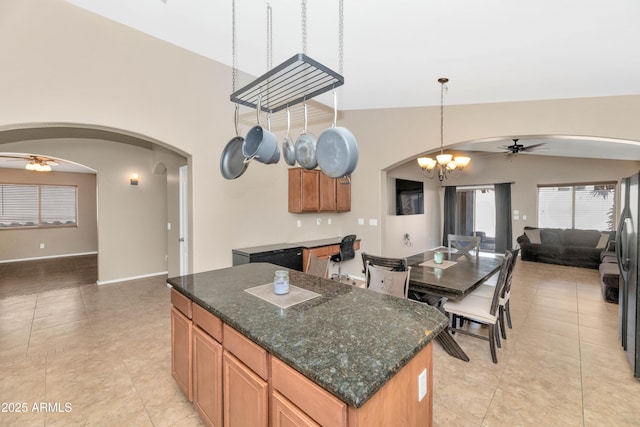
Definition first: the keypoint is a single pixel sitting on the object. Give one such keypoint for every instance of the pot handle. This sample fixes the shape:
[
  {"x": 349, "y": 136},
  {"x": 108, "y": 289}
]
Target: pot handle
[
  {"x": 335, "y": 108},
  {"x": 235, "y": 119},
  {"x": 305, "y": 118},
  {"x": 258, "y": 109},
  {"x": 288, "y": 121}
]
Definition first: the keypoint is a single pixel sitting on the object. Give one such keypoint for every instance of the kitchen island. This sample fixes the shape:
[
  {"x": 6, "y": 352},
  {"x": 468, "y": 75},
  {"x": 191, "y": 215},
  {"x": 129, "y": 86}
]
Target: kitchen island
[{"x": 347, "y": 356}]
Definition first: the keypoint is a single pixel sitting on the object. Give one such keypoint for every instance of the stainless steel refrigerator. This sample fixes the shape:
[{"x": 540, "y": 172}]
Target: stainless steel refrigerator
[{"x": 627, "y": 243}]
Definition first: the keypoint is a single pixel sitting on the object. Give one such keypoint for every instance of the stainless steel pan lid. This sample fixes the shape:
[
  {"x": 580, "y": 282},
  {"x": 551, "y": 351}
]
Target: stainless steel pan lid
[
  {"x": 288, "y": 147},
  {"x": 306, "y": 147}
]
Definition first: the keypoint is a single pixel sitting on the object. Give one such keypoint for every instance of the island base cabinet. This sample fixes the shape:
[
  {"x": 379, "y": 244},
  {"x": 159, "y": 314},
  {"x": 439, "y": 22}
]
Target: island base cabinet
[
  {"x": 245, "y": 395},
  {"x": 181, "y": 356},
  {"x": 207, "y": 377},
  {"x": 397, "y": 402},
  {"x": 286, "y": 414}
]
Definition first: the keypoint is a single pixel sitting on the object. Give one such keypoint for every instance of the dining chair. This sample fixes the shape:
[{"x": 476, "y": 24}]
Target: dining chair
[
  {"x": 347, "y": 252},
  {"x": 464, "y": 244},
  {"x": 317, "y": 266},
  {"x": 383, "y": 280},
  {"x": 480, "y": 310},
  {"x": 486, "y": 290}
]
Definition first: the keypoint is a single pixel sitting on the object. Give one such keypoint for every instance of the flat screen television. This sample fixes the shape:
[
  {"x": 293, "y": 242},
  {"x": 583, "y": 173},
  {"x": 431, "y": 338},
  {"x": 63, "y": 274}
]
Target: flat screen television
[{"x": 409, "y": 197}]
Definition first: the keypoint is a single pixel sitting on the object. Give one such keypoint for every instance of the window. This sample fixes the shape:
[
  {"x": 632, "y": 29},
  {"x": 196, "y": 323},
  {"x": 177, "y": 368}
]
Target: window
[
  {"x": 582, "y": 206},
  {"x": 37, "y": 205}
]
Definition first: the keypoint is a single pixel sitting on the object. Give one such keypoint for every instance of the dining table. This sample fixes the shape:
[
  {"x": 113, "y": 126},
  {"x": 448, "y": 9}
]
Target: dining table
[{"x": 451, "y": 279}]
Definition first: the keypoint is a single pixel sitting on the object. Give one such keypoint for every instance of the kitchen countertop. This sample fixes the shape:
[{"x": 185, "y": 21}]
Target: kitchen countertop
[
  {"x": 350, "y": 341},
  {"x": 308, "y": 244}
]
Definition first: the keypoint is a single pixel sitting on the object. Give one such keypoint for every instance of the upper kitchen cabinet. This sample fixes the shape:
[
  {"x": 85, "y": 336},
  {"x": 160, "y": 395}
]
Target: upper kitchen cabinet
[{"x": 313, "y": 191}]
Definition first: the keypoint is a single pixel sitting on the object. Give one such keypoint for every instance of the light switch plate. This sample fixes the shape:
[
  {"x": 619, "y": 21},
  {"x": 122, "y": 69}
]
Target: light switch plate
[{"x": 373, "y": 222}]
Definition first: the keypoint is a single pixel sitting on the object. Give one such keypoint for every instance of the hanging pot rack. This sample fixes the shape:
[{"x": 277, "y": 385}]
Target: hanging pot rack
[{"x": 296, "y": 80}]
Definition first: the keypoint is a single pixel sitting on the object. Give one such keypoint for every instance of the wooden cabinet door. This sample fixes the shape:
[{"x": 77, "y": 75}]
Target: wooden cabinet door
[
  {"x": 181, "y": 331},
  {"x": 245, "y": 395},
  {"x": 303, "y": 190},
  {"x": 207, "y": 377},
  {"x": 327, "y": 202},
  {"x": 343, "y": 195},
  {"x": 286, "y": 414}
]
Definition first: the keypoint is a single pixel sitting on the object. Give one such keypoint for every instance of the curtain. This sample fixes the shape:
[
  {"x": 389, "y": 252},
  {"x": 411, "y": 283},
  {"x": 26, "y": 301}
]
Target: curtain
[
  {"x": 449, "y": 214},
  {"x": 504, "y": 237}
]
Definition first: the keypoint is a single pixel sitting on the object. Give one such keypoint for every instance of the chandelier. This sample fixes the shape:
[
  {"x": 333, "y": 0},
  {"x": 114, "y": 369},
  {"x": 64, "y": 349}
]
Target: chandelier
[{"x": 444, "y": 165}]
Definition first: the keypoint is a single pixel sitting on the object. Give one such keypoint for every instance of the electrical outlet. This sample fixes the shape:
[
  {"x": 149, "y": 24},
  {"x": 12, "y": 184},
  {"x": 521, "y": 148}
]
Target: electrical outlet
[
  {"x": 328, "y": 221},
  {"x": 298, "y": 223},
  {"x": 360, "y": 221},
  {"x": 318, "y": 221},
  {"x": 41, "y": 245},
  {"x": 373, "y": 222},
  {"x": 422, "y": 385}
]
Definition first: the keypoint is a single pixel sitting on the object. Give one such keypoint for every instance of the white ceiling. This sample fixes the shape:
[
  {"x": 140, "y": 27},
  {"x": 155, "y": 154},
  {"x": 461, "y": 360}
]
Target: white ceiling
[{"x": 394, "y": 52}]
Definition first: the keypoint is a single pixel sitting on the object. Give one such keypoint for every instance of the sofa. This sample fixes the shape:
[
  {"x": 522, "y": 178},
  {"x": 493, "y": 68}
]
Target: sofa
[{"x": 573, "y": 247}]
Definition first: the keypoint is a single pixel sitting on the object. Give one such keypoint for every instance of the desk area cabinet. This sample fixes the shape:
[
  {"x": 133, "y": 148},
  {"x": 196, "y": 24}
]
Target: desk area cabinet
[
  {"x": 289, "y": 255},
  {"x": 313, "y": 191}
]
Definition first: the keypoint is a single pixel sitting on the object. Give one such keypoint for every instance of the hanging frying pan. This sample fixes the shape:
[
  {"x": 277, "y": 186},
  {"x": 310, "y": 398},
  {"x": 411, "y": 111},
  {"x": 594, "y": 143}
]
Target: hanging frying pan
[
  {"x": 288, "y": 147},
  {"x": 306, "y": 146},
  {"x": 337, "y": 149},
  {"x": 232, "y": 164}
]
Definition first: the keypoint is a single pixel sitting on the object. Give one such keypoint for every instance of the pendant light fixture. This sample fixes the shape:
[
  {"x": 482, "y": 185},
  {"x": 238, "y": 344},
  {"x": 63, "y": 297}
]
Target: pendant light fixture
[{"x": 444, "y": 165}]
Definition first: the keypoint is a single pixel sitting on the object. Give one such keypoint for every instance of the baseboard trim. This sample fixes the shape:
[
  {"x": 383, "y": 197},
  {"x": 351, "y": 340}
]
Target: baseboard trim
[
  {"x": 48, "y": 257},
  {"x": 125, "y": 279}
]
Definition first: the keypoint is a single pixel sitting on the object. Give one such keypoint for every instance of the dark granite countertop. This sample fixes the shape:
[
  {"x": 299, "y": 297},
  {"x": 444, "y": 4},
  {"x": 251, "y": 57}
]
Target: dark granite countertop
[
  {"x": 308, "y": 244},
  {"x": 350, "y": 341}
]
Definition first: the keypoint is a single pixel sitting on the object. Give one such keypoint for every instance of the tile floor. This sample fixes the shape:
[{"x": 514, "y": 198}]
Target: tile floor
[{"x": 100, "y": 355}]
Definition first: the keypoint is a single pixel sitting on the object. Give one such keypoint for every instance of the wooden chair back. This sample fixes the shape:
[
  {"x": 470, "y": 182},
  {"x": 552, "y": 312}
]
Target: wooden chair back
[{"x": 464, "y": 244}]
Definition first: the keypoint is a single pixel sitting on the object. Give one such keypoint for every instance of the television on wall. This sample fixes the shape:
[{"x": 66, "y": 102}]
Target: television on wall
[{"x": 409, "y": 197}]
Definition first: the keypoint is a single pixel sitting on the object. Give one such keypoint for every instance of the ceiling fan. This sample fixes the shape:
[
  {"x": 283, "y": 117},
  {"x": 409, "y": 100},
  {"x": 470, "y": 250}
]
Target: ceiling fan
[
  {"x": 34, "y": 162},
  {"x": 516, "y": 148}
]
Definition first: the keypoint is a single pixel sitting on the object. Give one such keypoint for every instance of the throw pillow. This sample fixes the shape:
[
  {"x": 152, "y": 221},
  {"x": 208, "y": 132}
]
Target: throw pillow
[
  {"x": 533, "y": 235},
  {"x": 602, "y": 243}
]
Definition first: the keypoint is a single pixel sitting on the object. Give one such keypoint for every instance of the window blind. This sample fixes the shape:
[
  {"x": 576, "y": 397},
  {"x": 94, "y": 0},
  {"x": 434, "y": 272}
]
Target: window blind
[
  {"x": 37, "y": 205},
  {"x": 584, "y": 206}
]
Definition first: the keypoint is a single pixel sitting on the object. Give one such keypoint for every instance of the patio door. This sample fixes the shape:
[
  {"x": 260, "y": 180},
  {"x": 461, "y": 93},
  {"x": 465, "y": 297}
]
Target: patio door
[{"x": 476, "y": 214}]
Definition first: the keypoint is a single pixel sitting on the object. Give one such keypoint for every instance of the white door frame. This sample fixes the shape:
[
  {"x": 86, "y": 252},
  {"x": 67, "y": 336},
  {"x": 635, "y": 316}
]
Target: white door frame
[{"x": 184, "y": 219}]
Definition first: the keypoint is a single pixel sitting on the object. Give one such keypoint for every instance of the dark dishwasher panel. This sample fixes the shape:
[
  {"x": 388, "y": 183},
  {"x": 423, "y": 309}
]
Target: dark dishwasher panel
[{"x": 288, "y": 258}]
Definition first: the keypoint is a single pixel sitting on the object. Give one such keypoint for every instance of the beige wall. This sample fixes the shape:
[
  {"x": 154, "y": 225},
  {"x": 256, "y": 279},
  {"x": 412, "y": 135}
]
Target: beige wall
[
  {"x": 115, "y": 77},
  {"x": 25, "y": 243}
]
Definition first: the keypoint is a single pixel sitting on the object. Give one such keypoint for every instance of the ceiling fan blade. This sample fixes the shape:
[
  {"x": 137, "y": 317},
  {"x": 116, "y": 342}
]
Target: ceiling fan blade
[
  {"x": 15, "y": 157},
  {"x": 532, "y": 147}
]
